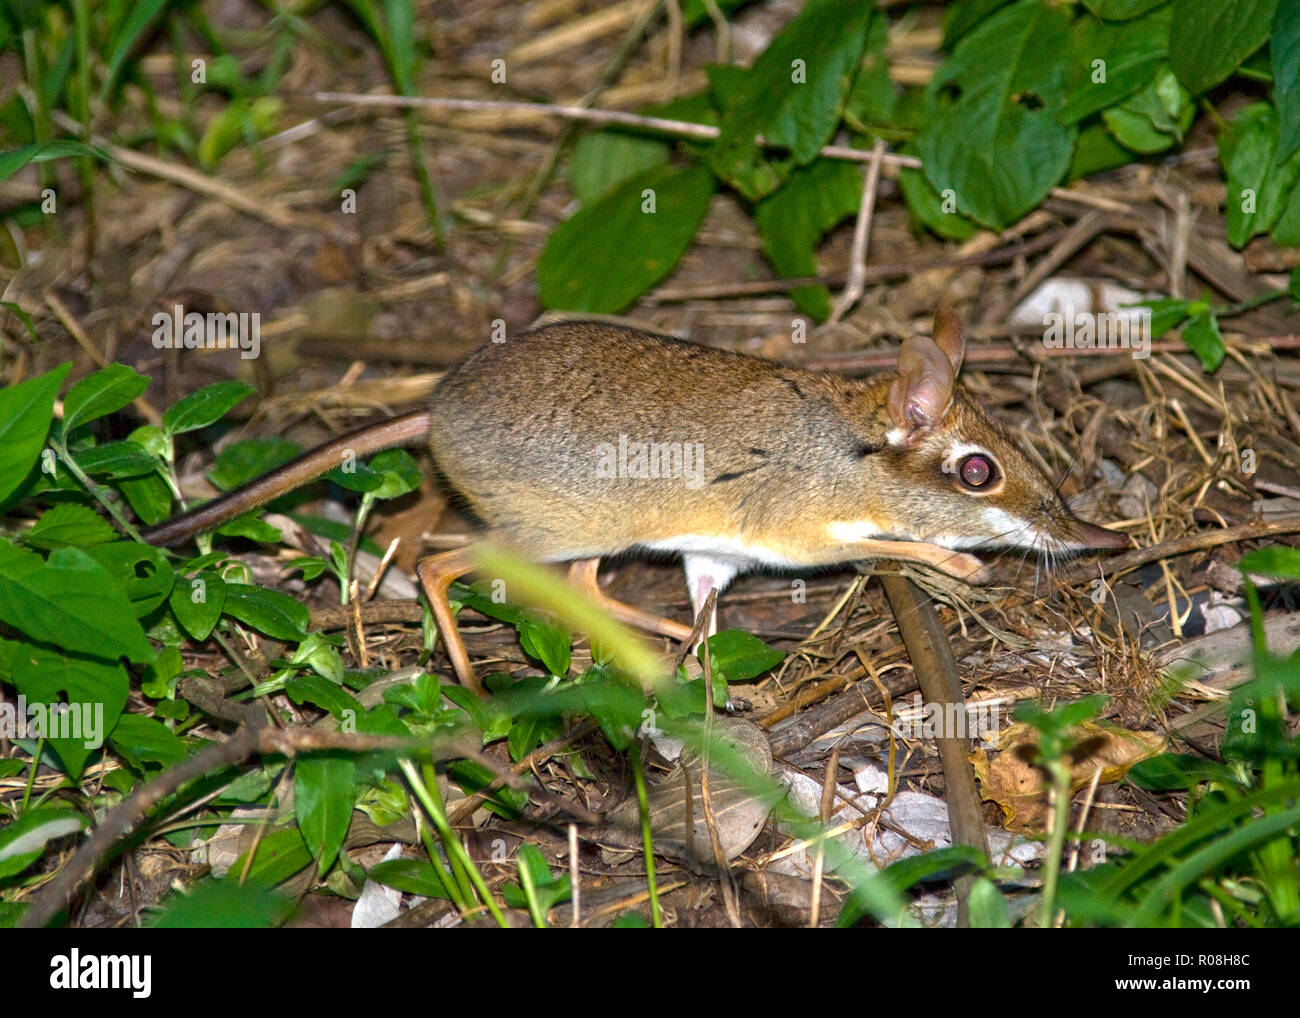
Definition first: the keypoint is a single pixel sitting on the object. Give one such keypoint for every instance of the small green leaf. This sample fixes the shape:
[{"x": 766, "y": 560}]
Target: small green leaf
[
  {"x": 25, "y": 413},
  {"x": 224, "y": 904},
  {"x": 143, "y": 740},
  {"x": 603, "y": 159},
  {"x": 15, "y": 159},
  {"x": 309, "y": 687},
  {"x": 1281, "y": 563},
  {"x": 251, "y": 527},
  {"x": 101, "y": 393},
  {"x": 411, "y": 876},
  {"x": 1210, "y": 38},
  {"x": 610, "y": 252},
  {"x": 71, "y": 601},
  {"x": 24, "y": 840},
  {"x": 240, "y": 462},
  {"x": 1285, "y": 48},
  {"x": 117, "y": 459},
  {"x": 1203, "y": 338},
  {"x": 198, "y": 602},
  {"x": 399, "y": 471},
  {"x": 325, "y": 785},
  {"x": 69, "y": 524},
  {"x": 139, "y": 571},
  {"x": 549, "y": 644},
  {"x": 205, "y": 407},
  {"x": 741, "y": 656},
  {"x": 277, "y": 615}
]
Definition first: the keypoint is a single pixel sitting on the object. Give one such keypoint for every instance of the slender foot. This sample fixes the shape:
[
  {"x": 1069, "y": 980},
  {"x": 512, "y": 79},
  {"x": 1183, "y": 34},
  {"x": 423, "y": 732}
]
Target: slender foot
[
  {"x": 582, "y": 574},
  {"x": 436, "y": 573}
]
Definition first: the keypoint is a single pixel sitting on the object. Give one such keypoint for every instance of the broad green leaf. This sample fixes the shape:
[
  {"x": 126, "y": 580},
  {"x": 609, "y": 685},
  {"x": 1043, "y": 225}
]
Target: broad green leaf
[
  {"x": 1279, "y": 562},
  {"x": 1259, "y": 187},
  {"x": 15, "y": 159},
  {"x": 198, "y": 602},
  {"x": 268, "y": 611},
  {"x": 95, "y": 689},
  {"x": 988, "y": 909},
  {"x": 1203, "y": 338},
  {"x": 603, "y": 159},
  {"x": 742, "y": 656},
  {"x": 23, "y": 841},
  {"x": 148, "y": 496},
  {"x": 240, "y": 462},
  {"x": 223, "y": 904},
  {"x": 930, "y": 209},
  {"x": 1210, "y": 38},
  {"x": 793, "y": 219},
  {"x": 960, "y": 18},
  {"x": 411, "y": 876},
  {"x": 399, "y": 472},
  {"x": 66, "y": 524},
  {"x": 143, "y": 740},
  {"x": 1174, "y": 771},
  {"x": 1169, "y": 313},
  {"x": 139, "y": 571},
  {"x": 251, "y": 527},
  {"x": 1285, "y": 49},
  {"x": 792, "y": 97},
  {"x": 207, "y": 406},
  {"x": 1154, "y": 117},
  {"x": 873, "y": 99},
  {"x": 991, "y": 133},
  {"x": 117, "y": 459},
  {"x": 25, "y": 413},
  {"x": 547, "y": 643},
  {"x": 1109, "y": 62},
  {"x": 309, "y": 687},
  {"x": 131, "y": 32},
  {"x": 101, "y": 393},
  {"x": 281, "y": 854},
  {"x": 325, "y": 785},
  {"x": 70, "y": 601},
  {"x": 612, "y": 251},
  {"x": 1120, "y": 10}
]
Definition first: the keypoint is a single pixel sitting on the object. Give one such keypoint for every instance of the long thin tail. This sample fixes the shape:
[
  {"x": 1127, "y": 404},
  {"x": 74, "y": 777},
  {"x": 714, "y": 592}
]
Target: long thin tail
[{"x": 409, "y": 429}]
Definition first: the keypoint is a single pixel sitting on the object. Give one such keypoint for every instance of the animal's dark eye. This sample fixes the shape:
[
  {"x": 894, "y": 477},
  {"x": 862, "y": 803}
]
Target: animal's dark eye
[{"x": 975, "y": 471}]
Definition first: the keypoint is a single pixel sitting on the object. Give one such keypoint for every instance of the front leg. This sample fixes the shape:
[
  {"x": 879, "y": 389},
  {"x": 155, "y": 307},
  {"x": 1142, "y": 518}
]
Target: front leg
[{"x": 954, "y": 563}]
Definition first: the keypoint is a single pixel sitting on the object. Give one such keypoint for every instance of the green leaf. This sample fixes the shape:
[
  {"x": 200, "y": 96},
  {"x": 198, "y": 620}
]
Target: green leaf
[
  {"x": 793, "y": 219},
  {"x": 325, "y": 785},
  {"x": 25, "y": 413},
  {"x": 139, "y": 571},
  {"x": 207, "y": 406},
  {"x": 280, "y": 855},
  {"x": 15, "y": 159},
  {"x": 1293, "y": 283},
  {"x": 309, "y": 687},
  {"x": 741, "y": 656},
  {"x": 70, "y": 601},
  {"x": 990, "y": 133},
  {"x": 223, "y": 904},
  {"x": 143, "y": 740},
  {"x": 792, "y": 97},
  {"x": 412, "y": 876},
  {"x": 1173, "y": 771},
  {"x": 1281, "y": 563},
  {"x": 69, "y": 524},
  {"x": 132, "y": 32},
  {"x": 1210, "y": 38},
  {"x": 1168, "y": 313},
  {"x": 268, "y": 611},
  {"x": 117, "y": 459},
  {"x": 1109, "y": 62},
  {"x": 1259, "y": 186},
  {"x": 399, "y": 472},
  {"x": 930, "y": 209},
  {"x": 988, "y": 909},
  {"x": 603, "y": 159},
  {"x": 1155, "y": 117},
  {"x": 148, "y": 496},
  {"x": 1096, "y": 152},
  {"x": 95, "y": 689},
  {"x": 240, "y": 462},
  {"x": 1285, "y": 47},
  {"x": 251, "y": 527},
  {"x": 23, "y": 841},
  {"x": 1120, "y": 10},
  {"x": 612, "y": 251},
  {"x": 101, "y": 393},
  {"x": 1203, "y": 338},
  {"x": 197, "y": 602},
  {"x": 547, "y": 643}
]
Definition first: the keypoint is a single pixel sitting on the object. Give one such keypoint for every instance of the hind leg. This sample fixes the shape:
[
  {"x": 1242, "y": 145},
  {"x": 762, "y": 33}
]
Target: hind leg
[
  {"x": 582, "y": 574},
  {"x": 436, "y": 573}
]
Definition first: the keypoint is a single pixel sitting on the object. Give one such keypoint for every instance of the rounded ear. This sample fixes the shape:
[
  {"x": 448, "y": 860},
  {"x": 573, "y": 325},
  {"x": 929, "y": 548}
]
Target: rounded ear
[
  {"x": 922, "y": 392},
  {"x": 950, "y": 335}
]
